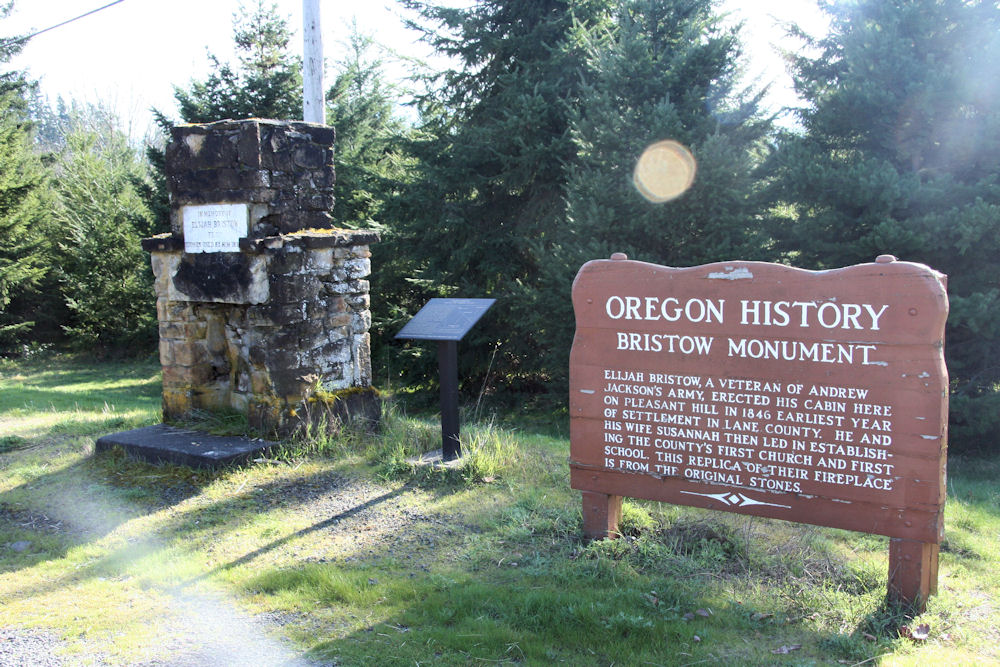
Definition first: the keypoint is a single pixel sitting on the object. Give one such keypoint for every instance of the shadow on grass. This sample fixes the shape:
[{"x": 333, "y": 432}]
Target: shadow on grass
[
  {"x": 91, "y": 498},
  {"x": 320, "y": 525},
  {"x": 83, "y": 502},
  {"x": 549, "y": 608},
  {"x": 576, "y": 613},
  {"x": 887, "y": 619}
]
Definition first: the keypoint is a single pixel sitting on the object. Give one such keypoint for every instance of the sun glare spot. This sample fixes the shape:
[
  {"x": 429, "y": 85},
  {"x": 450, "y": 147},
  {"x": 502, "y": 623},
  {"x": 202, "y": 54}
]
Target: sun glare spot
[{"x": 665, "y": 171}]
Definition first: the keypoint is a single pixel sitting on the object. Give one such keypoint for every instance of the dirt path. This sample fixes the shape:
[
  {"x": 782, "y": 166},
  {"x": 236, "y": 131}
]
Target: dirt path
[{"x": 346, "y": 519}]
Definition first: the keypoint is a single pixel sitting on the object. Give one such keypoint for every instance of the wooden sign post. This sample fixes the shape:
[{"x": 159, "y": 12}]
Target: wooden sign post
[{"x": 816, "y": 397}]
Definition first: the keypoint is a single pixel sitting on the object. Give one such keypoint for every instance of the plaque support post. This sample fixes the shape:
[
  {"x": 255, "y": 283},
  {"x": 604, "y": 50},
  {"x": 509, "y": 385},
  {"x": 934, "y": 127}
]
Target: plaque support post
[
  {"x": 447, "y": 321},
  {"x": 448, "y": 371},
  {"x": 601, "y": 514},
  {"x": 913, "y": 571}
]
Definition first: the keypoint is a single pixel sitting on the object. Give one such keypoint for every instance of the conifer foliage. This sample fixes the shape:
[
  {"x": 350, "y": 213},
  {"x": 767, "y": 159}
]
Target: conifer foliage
[
  {"x": 361, "y": 107},
  {"x": 266, "y": 82},
  {"x": 103, "y": 273},
  {"x": 24, "y": 245},
  {"x": 528, "y": 145},
  {"x": 900, "y": 154},
  {"x": 664, "y": 70},
  {"x": 490, "y": 155}
]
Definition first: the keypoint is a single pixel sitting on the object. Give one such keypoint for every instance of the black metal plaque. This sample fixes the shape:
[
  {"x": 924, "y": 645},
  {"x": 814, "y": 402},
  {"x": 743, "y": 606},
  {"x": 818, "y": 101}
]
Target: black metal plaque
[{"x": 445, "y": 319}]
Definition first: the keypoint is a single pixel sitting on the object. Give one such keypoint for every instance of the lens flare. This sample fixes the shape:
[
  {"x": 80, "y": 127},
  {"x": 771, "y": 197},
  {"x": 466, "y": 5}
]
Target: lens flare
[{"x": 665, "y": 171}]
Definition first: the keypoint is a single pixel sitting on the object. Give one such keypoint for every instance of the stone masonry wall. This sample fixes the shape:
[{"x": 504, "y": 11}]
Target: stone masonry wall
[
  {"x": 284, "y": 170},
  {"x": 278, "y": 330}
]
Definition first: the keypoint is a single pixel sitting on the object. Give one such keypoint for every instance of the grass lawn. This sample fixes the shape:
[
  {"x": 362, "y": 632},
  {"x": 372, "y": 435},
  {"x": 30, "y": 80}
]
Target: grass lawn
[{"x": 338, "y": 552}]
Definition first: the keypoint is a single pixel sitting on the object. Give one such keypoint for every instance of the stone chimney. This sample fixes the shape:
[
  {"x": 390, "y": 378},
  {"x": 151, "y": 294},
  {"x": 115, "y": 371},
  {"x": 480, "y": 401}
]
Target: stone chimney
[{"x": 262, "y": 302}]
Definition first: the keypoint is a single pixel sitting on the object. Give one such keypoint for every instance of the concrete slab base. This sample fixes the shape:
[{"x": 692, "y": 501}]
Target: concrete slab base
[
  {"x": 197, "y": 449},
  {"x": 435, "y": 458}
]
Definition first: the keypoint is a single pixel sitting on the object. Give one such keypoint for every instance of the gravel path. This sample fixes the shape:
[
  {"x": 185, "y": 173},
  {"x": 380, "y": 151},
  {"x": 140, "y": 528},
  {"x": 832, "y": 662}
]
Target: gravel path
[
  {"x": 358, "y": 520},
  {"x": 29, "y": 648}
]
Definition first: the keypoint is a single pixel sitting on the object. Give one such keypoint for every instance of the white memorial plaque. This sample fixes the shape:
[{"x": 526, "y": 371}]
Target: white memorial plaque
[{"x": 215, "y": 227}]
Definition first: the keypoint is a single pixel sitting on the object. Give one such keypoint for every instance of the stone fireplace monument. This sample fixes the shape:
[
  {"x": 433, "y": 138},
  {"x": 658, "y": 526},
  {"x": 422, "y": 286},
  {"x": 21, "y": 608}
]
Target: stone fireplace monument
[{"x": 262, "y": 303}]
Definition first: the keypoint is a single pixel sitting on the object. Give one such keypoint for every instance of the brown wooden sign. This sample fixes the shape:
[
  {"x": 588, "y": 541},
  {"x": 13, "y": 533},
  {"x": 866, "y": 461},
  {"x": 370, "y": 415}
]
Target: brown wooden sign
[{"x": 816, "y": 397}]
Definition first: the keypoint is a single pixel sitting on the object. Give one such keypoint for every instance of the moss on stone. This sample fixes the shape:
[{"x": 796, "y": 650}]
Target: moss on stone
[{"x": 321, "y": 395}]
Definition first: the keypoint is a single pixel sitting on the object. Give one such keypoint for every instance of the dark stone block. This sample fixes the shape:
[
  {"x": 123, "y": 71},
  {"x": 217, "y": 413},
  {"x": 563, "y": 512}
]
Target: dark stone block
[
  {"x": 279, "y": 159},
  {"x": 309, "y": 156},
  {"x": 295, "y": 221},
  {"x": 284, "y": 263},
  {"x": 262, "y": 195},
  {"x": 233, "y": 179},
  {"x": 283, "y": 314},
  {"x": 324, "y": 135},
  {"x": 282, "y": 180},
  {"x": 168, "y": 444},
  {"x": 316, "y": 308},
  {"x": 291, "y": 381},
  {"x": 280, "y": 360},
  {"x": 283, "y": 204},
  {"x": 310, "y": 328},
  {"x": 318, "y": 179},
  {"x": 179, "y": 132},
  {"x": 258, "y": 178},
  {"x": 198, "y": 181},
  {"x": 257, "y": 355},
  {"x": 195, "y": 180},
  {"x": 218, "y": 150},
  {"x": 317, "y": 202},
  {"x": 163, "y": 243},
  {"x": 248, "y": 147},
  {"x": 178, "y": 157},
  {"x": 216, "y": 275},
  {"x": 294, "y": 288},
  {"x": 195, "y": 148}
]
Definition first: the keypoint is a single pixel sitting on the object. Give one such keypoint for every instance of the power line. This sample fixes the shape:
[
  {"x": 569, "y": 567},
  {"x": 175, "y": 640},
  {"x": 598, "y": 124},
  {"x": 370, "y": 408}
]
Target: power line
[{"x": 67, "y": 22}]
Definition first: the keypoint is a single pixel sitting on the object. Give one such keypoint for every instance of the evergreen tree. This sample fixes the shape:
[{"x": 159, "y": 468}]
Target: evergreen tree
[
  {"x": 489, "y": 178},
  {"x": 361, "y": 107},
  {"x": 664, "y": 70},
  {"x": 50, "y": 123},
  {"x": 267, "y": 82},
  {"x": 900, "y": 154},
  {"x": 103, "y": 272},
  {"x": 526, "y": 171},
  {"x": 24, "y": 243}
]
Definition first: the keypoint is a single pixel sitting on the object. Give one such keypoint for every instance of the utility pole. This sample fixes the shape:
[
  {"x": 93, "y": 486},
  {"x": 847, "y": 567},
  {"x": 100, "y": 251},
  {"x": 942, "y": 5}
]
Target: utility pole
[{"x": 313, "y": 109}]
